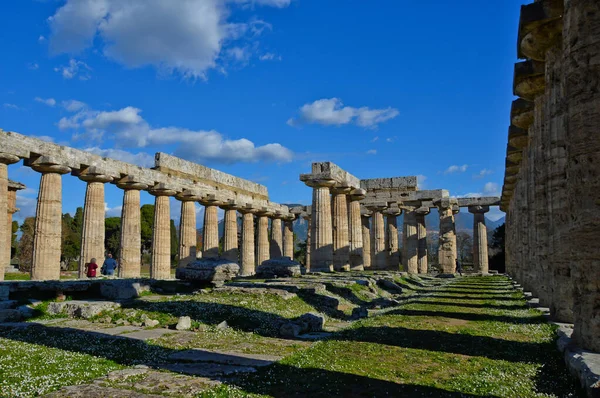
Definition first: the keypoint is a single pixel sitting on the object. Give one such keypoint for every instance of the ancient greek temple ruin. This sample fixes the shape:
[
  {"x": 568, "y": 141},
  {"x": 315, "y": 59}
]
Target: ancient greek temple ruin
[{"x": 551, "y": 183}]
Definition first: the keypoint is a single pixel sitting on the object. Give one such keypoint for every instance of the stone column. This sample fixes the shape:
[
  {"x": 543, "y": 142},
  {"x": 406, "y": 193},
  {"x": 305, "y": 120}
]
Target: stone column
[
  {"x": 321, "y": 228},
  {"x": 13, "y": 187},
  {"x": 340, "y": 233},
  {"x": 366, "y": 235},
  {"x": 93, "y": 228},
  {"x": 160, "y": 267},
  {"x": 447, "y": 239},
  {"x": 276, "y": 249},
  {"x": 5, "y": 160},
  {"x": 420, "y": 214},
  {"x": 48, "y": 222},
  {"x": 288, "y": 237},
  {"x": 355, "y": 229},
  {"x": 455, "y": 211},
  {"x": 187, "y": 228},
  {"x": 230, "y": 238},
  {"x": 262, "y": 244},
  {"x": 130, "y": 255},
  {"x": 410, "y": 252},
  {"x": 391, "y": 239},
  {"x": 308, "y": 219},
  {"x": 248, "y": 259},
  {"x": 480, "y": 243},
  {"x": 210, "y": 236},
  {"x": 378, "y": 253}
]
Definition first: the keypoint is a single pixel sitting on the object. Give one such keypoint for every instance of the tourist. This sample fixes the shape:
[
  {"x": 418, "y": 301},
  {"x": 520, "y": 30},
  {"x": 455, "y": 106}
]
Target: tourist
[
  {"x": 109, "y": 266},
  {"x": 458, "y": 267},
  {"x": 90, "y": 268}
]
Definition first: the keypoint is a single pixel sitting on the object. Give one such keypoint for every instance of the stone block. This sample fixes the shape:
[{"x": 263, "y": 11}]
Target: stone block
[
  {"x": 281, "y": 267},
  {"x": 211, "y": 270},
  {"x": 80, "y": 308},
  {"x": 184, "y": 323},
  {"x": 10, "y": 316},
  {"x": 122, "y": 289},
  {"x": 314, "y": 322},
  {"x": 290, "y": 330},
  {"x": 4, "y": 291}
]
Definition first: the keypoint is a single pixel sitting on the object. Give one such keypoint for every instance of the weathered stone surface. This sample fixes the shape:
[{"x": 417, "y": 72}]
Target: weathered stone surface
[
  {"x": 247, "y": 255},
  {"x": 321, "y": 233},
  {"x": 160, "y": 268},
  {"x": 314, "y": 322},
  {"x": 390, "y": 285},
  {"x": 187, "y": 233},
  {"x": 290, "y": 330},
  {"x": 227, "y": 358},
  {"x": 10, "y": 315},
  {"x": 80, "y": 308},
  {"x": 184, "y": 323},
  {"x": 122, "y": 289},
  {"x": 283, "y": 267},
  {"x": 208, "y": 270}
]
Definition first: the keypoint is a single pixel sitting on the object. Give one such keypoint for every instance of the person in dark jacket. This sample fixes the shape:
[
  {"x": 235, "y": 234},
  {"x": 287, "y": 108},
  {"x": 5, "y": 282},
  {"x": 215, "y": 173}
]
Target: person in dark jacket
[
  {"x": 109, "y": 266},
  {"x": 458, "y": 267}
]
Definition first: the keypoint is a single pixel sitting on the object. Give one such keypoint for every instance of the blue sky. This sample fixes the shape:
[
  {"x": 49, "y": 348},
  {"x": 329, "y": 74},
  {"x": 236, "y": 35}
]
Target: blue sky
[{"x": 262, "y": 88}]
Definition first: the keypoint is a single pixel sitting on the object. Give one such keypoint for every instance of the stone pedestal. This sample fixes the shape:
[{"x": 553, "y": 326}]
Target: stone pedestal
[
  {"x": 447, "y": 239},
  {"x": 365, "y": 220},
  {"x": 160, "y": 267},
  {"x": 288, "y": 237},
  {"x": 93, "y": 228},
  {"x": 5, "y": 160},
  {"x": 355, "y": 230},
  {"x": 230, "y": 239},
  {"x": 262, "y": 244},
  {"x": 422, "y": 264},
  {"x": 480, "y": 243},
  {"x": 210, "y": 244},
  {"x": 410, "y": 254},
  {"x": 48, "y": 223},
  {"x": 248, "y": 261},
  {"x": 276, "y": 248},
  {"x": 340, "y": 234},
  {"x": 130, "y": 254},
  {"x": 391, "y": 239},
  {"x": 378, "y": 252},
  {"x": 321, "y": 228},
  {"x": 187, "y": 231}
]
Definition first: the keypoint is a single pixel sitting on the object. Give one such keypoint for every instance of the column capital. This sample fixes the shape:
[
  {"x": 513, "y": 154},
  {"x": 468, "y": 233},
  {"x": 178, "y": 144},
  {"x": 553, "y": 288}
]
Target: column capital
[
  {"x": 15, "y": 186},
  {"x": 455, "y": 209},
  {"x": 318, "y": 183},
  {"x": 357, "y": 194},
  {"x": 392, "y": 211},
  {"x": 445, "y": 203},
  {"x": 377, "y": 207},
  {"x": 230, "y": 204},
  {"x": 479, "y": 209},
  {"x": 422, "y": 211},
  {"x": 247, "y": 209},
  {"x": 162, "y": 189},
  {"x": 7, "y": 158},
  {"x": 340, "y": 190},
  {"x": 47, "y": 164},
  {"x": 211, "y": 200},
  {"x": 94, "y": 174},
  {"x": 129, "y": 182}
]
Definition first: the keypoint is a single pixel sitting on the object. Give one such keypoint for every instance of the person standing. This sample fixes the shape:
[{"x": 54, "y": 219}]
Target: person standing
[
  {"x": 458, "y": 267},
  {"x": 109, "y": 266},
  {"x": 90, "y": 268}
]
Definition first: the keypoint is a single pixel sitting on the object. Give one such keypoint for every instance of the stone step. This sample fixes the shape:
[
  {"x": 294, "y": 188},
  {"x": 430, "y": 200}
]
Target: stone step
[
  {"x": 207, "y": 369},
  {"x": 227, "y": 358}
]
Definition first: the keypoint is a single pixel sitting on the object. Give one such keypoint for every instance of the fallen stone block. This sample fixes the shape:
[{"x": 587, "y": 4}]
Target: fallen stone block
[
  {"x": 389, "y": 286},
  {"x": 10, "y": 316},
  {"x": 290, "y": 330},
  {"x": 315, "y": 322},
  {"x": 282, "y": 267},
  {"x": 184, "y": 323},
  {"x": 122, "y": 289},
  {"x": 80, "y": 308},
  {"x": 213, "y": 270}
]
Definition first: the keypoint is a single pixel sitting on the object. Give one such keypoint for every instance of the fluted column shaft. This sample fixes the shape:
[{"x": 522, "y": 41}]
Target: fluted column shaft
[
  {"x": 12, "y": 208},
  {"x": 248, "y": 261},
  {"x": 356, "y": 235},
  {"x": 321, "y": 228},
  {"x": 5, "y": 160},
  {"x": 366, "y": 235},
  {"x": 130, "y": 255},
  {"x": 308, "y": 241},
  {"x": 391, "y": 239},
  {"x": 160, "y": 267},
  {"x": 422, "y": 264},
  {"x": 187, "y": 233},
  {"x": 340, "y": 234},
  {"x": 93, "y": 228},
  {"x": 378, "y": 253},
  {"x": 210, "y": 243},
  {"x": 262, "y": 246},
  {"x": 48, "y": 224},
  {"x": 411, "y": 247},
  {"x": 288, "y": 238},
  {"x": 480, "y": 244},
  {"x": 230, "y": 239},
  {"x": 276, "y": 249},
  {"x": 447, "y": 240}
]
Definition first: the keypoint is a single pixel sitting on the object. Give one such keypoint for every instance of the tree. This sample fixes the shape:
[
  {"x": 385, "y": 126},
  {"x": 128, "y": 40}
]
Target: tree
[
  {"x": 464, "y": 247},
  {"x": 112, "y": 238},
  {"x": 174, "y": 243},
  {"x": 498, "y": 258},
  {"x": 25, "y": 248},
  {"x": 13, "y": 238},
  {"x": 71, "y": 238},
  {"x": 147, "y": 223},
  {"x": 300, "y": 252}
]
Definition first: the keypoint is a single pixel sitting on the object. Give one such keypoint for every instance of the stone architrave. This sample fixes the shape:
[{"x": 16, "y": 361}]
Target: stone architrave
[
  {"x": 12, "y": 209},
  {"x": 262, "y": 244},
  {"x": 321, "y": 228},
  {"x": 160, "y": 267},
  {"x": 366, "y": 235},
  {"x": 480, "y": 244},
  {"x": 355, "y": 229},
  {"x": 230, "y": 237},
  {"x": 48, "y": 222},
  {"x": 410, "y": 253},
  {"x": 447, "y": 239},
  {"x": 308, "y": 219},
  {"x": 5, "y": 160},
  {"x": 93, "y": 229},
  {"x": 187, "y": 228},
  {"x": 247, "y": 258},
  {"x": 340, "y": 233},
  {"x": 391, "y": 238},
  {"x": 420, "y": 214},
  {"x": 288, "y": 237},
  {"x": 130, "y": 254},
  {"x": 378, "y": 252},
  {"x": 276, "y": 244},
  {"x": 210, "y": 243}
]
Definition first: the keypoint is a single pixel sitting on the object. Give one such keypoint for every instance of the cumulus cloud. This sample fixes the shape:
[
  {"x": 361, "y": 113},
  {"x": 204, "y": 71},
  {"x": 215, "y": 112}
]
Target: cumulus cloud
[
  {"x": 456, "y": 169},
  {"x": 491, "y": 189},
  {"x": 129, "y": 129},
  {"x": 26, "y": 203},
  {"x": 73, "y": 105},
  {"x": 483, "y": 173},
  {"x": 73, "y": 69},
  {"x": 112, "y": 211},
  {"x": 333, "y": 112},
  {"x": 47, "y": 101},
  {"x": 421, "y": 181},
  {"x": 269, "y": 57},
  {"x": 191, "y": 40},
  {"x": 372, "y": 152}
]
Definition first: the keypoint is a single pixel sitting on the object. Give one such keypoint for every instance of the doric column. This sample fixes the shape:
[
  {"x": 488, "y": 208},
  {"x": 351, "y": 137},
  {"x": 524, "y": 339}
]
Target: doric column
[
  {"x": 210, "y": 236},
  {"x": 187, "y": 228},
  {"x": 391, "y": 238},
  {"x": 130, "y": 255},
  {"x": 455, "y": 211},
  {"x": 410, "y": 252},
  {"x": 288, "y": 236},
  {"x": 248, "y": 259},
  {"x": 378, "y": 253},
  {"x": 93, "y": 229},
  {"x": 13, "y": 187},
  {"x": 480, "y": 244},
  {"x": 420, "y": 214},
  {"x": 447, "y": 239},
  {"x": 262, "y": 244},
  {"x": 355, "y": 229},
  {"x": 321, "y": 228},
  {"x": 340, "y": 235},
  {"x": 276, "y": 248},
  {"x": 366, "y": 235},
  {"x": 308, "y": 218},
  {"x": 230, "y": 238},
  {"x": 5, "y": 160},
  {"x": 160, "y": 267},
  {"x": 48, "y": 221}
]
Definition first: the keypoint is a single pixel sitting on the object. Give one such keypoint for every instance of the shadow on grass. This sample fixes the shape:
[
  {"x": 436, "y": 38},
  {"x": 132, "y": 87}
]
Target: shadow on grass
[
  {"x": 472, "y": 305},
  {"x": 449, "y": 296},
  {"x": 467, "y": 316},
  {"x": 491, "y": 292}
]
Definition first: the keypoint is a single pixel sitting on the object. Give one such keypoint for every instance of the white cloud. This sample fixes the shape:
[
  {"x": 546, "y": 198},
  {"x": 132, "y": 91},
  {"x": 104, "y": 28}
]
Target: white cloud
[
  {"x": 333, "y": 112},
  {"x": 142, "y": 159},
  {"x": 47, "y": 101},
  {"x": 491, "y": 189},
  {"x": 374, "y": 139},
  {"x": 26, "y": 203},
  {"x": 269, "y": 57},
  {"x": 483, "y": 173},
  {"x": 191, "y": 40},
  {"x": 12, "y": 106},
  {"x": 33, "y": 66},
  {"x": 421, "y": 181},
  {"x": 73, "y": 69},
  {"x": 73, "y": 105},
  {"x": 112, "y": 211},
  {"x": 41, "y": 39},
  {"x": 456, "y": 169},
  {"x": 372, "y": 152},
  {"x": 129, "y": 129}
]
